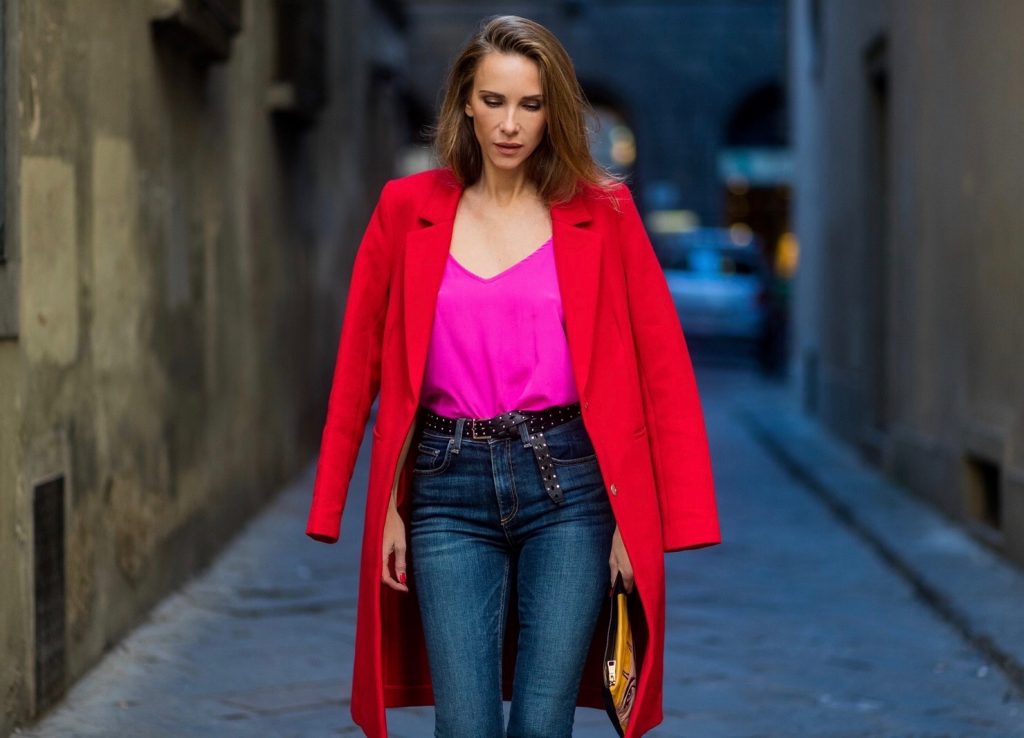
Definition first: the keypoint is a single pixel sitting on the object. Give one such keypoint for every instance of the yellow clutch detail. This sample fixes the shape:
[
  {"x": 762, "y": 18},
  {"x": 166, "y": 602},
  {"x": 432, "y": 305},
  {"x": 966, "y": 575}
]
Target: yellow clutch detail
[{"x": 621, "y": 667}]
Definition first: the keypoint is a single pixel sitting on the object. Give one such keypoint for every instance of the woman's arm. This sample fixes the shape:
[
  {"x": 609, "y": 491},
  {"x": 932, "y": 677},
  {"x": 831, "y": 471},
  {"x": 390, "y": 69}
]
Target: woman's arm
[
  {"x": 356, "y": 378},
  {"x": 398, "y": 468},
  {"x": 675, "y": 421}
]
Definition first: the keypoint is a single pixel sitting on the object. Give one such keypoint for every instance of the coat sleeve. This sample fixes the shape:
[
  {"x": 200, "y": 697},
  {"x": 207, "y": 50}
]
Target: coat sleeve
[
  {"x": 673, "y": 415},
  {"x": 356, "y": 378}
]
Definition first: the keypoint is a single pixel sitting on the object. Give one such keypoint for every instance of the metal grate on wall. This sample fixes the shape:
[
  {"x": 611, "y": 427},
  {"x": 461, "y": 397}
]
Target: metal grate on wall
[{"x": 50, "y": 598}]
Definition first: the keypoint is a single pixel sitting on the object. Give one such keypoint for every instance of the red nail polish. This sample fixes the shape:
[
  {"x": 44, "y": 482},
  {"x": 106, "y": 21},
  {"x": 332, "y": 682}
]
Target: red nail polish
[{"x": 401, "y": 577}]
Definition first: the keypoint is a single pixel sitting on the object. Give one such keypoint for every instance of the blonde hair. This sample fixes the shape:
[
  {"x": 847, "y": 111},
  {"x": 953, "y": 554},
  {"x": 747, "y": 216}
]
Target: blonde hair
[{"x": 562, "y": 160}]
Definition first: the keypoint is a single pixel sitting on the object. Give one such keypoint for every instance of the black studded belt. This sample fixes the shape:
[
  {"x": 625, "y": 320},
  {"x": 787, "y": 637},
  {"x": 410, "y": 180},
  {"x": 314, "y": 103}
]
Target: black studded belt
[{"x": 527, "y": 424}]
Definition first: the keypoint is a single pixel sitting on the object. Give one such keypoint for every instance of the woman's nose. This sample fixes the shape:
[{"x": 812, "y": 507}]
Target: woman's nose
[{"x": 508, "y": 123}]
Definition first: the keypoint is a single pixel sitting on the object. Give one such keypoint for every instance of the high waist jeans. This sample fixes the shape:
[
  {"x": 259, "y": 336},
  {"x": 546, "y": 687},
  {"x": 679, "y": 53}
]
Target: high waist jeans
[{"x": 482, "y": 526}]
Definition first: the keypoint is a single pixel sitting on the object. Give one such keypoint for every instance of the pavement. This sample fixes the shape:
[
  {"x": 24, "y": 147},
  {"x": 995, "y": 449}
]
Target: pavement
[{"x": 838, "y": 606}]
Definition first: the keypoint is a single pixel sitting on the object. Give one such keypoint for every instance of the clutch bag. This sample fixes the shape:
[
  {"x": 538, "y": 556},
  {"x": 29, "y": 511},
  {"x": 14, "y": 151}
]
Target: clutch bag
[{"x": 621, "y": 666}]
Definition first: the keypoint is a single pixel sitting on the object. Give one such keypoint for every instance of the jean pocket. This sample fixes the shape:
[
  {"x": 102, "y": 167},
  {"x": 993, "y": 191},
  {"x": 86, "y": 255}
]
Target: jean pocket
[
  {"x": 433, "y": 454},
  {"x": 570, "y": 444}
]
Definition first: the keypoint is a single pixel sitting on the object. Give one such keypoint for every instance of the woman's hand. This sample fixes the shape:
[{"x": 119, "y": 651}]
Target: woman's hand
[
  {"x": 394, "y": 541},
  {"x": 619, "y": 562}
]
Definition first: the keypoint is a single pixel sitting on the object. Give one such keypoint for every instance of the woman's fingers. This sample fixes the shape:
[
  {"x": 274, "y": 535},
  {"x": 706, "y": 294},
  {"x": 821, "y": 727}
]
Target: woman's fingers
[
  {"x": 385, "y": 575},
  {"x": 619, "y": 561},
  {"x": 617, "y": 567},
  {"x": 400, "y": 564},
  {"x": 627, "y": 580},
  {"x": 394, "y": 541}
]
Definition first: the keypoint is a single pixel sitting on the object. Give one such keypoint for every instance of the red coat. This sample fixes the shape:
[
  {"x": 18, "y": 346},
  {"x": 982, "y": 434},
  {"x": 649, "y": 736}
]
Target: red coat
[{"x": 640, "y": 407}]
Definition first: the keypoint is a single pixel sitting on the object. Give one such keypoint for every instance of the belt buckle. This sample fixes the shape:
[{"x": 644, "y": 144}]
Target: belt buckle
[{"x": 473, "y": 433}]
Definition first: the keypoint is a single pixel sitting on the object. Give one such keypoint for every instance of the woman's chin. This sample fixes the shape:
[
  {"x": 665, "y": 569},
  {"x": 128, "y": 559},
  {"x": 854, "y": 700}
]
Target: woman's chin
[{"x": 508, "y": 164}]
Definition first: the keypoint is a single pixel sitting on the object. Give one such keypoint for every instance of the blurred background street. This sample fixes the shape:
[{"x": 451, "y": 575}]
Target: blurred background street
[
  {"x": 796, "y": 628},
  {"x": 832, "y": 189}
]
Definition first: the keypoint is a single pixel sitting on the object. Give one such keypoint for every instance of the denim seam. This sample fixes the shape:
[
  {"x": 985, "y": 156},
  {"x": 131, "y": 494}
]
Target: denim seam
[
  {"x": 502, "y": 613},
  {"x": 428, "y": 450},
  {"x": 442, "y": 467},
  {"x": 515, "y": 493},
  {"x": 570, "y": 462}
]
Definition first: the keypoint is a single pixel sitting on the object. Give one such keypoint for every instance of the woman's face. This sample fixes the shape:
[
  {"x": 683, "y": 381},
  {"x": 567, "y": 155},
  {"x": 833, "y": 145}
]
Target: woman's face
[{"x": 507, "y": 109}]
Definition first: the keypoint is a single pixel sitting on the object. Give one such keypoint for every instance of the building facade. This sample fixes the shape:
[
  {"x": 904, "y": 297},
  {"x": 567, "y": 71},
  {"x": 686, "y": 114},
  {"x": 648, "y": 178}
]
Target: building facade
[
  {"x": 184, "y": 185},
  {"x": 908, "y": 338},
  {"x": 691, "y": 79}
]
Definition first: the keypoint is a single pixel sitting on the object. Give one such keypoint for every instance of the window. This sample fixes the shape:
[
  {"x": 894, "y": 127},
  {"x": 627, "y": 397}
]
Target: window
[{"x": 202, "y": 29}]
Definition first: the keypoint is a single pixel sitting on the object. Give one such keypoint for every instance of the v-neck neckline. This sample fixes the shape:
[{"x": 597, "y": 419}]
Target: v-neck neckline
[{"x": 504, "y": 271}]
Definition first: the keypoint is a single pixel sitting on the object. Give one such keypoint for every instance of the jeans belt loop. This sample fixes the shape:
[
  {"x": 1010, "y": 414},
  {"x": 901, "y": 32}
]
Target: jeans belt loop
[
  {"x": 459, "y": 425},
  {"x": 524, "y": 433},
  {"x": 534, "y": 441}
]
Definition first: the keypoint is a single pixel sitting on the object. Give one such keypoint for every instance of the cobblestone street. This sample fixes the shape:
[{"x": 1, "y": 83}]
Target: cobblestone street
[{"x": 837, "y": 605}]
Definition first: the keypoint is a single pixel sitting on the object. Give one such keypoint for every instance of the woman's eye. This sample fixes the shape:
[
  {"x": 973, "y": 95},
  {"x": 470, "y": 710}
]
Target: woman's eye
[{"x": 493, "y": 102}]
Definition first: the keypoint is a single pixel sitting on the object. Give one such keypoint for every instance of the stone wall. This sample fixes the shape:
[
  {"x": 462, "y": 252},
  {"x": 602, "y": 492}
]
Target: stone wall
[
  {"x": 177, "y": 257},
  {"x": 909, "y": 333}
]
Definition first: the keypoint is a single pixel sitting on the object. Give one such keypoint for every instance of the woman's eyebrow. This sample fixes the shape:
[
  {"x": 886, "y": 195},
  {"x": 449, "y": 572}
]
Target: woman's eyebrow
[{"x": 525, "y": 97}]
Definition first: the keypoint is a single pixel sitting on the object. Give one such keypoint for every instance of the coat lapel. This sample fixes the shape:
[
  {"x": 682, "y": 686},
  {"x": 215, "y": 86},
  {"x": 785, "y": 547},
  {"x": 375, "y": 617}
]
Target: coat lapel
[{"x": 577, "y": 260}]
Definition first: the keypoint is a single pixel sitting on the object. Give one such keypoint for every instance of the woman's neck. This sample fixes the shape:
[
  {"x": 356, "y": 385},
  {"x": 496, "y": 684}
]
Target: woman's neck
[{"x": 504, "y": 187}]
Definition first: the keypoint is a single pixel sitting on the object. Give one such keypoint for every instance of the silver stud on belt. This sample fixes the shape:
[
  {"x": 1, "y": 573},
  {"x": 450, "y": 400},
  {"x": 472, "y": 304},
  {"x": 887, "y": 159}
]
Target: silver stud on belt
[{"x": 506, "y": 424}]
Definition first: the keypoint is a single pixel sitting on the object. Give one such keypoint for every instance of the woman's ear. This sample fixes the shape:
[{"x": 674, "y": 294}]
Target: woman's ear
[{"x": 469, "y": 111}]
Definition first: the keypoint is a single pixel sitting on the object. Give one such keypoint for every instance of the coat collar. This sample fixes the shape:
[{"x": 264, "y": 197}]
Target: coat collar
[{"x": 577, "y": 250}]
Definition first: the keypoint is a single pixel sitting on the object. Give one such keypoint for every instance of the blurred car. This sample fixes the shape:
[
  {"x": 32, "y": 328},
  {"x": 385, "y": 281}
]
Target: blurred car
[{"x": 720, "y": 287}]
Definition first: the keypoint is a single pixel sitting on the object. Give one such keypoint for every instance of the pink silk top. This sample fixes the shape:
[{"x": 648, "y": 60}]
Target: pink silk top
[{"x": 499, "y": 343}]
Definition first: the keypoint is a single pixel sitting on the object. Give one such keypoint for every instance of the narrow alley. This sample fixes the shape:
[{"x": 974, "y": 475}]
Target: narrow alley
[{"x": 840, "y": 606}]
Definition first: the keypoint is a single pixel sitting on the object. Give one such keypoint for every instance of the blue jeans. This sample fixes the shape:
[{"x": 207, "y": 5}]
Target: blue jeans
[{"x": 482, "y": 525}]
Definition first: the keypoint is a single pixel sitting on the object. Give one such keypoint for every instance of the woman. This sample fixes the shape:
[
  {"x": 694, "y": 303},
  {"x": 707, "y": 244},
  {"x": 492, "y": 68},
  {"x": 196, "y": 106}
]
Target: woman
[{"x": 539, "y": 429}]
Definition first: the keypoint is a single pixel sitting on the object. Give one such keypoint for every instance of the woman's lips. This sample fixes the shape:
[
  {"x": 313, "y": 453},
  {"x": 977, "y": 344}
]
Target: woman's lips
[{"x": 508, "y": 148}]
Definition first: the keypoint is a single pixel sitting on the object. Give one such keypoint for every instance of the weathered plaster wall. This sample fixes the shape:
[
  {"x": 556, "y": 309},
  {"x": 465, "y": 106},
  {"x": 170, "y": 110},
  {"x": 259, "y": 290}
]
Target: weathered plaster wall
[
  {"x": 182, "y": 267},
  {"x": 913, "y": 309}
]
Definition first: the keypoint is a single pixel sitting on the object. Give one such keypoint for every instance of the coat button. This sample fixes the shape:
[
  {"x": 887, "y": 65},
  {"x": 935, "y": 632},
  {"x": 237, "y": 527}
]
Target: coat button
[
  {"x": 614, "y": 490},
  {"x": 586, "y": 405}
]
